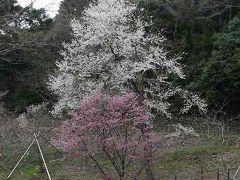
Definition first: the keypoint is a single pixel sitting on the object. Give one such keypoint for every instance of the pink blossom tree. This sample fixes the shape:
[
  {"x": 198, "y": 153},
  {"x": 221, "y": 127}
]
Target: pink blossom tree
[{"x": 114, "y": 126}]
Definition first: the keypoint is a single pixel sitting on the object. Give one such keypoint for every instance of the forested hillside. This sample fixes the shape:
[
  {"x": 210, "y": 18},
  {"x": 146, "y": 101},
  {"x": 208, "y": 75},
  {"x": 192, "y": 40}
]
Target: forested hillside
[
  {"x": 203, "y": 33},
  {"x": 26, "y": 57},
  {"x": 206, "y": 34},
  {"x": 117, "y": 77}
]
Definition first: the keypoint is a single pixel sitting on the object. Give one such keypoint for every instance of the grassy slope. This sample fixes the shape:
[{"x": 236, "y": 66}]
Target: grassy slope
[{"x": 186, "y": 162}]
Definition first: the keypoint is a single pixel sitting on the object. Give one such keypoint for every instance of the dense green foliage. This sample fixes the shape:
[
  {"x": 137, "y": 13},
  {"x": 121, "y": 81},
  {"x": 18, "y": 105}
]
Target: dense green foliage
[
  {"x": 207, "y": 33},
  {"x": 221, "y": 77},
  {"x": 25, "y": 58}
]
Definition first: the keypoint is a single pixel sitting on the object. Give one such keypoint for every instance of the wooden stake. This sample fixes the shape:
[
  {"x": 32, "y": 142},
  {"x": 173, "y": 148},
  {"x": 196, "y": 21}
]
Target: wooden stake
[
  {"x": 236, "y": 173},
  {"x": 23, "y": 156},
  {"x": 42, "y": 157},
  {"x": 201, "y": 173},
  {"x": 228, "y": 174}
]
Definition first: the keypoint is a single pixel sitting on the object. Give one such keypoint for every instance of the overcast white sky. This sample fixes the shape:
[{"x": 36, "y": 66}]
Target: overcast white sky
[{"x": 51, "y": 6}]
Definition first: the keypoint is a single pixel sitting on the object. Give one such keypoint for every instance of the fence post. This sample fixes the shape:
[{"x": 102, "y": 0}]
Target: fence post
[
  {"x": 218, "y": 175},
  {"x": 228, "y": 174},
  {"x": 175, "y": 177},
  {"x": 201, "y": 173}
]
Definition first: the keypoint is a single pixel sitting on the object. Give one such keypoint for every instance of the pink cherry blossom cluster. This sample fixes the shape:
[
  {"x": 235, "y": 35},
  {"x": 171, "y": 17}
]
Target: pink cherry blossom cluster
[{"x": 114, "y": 126}]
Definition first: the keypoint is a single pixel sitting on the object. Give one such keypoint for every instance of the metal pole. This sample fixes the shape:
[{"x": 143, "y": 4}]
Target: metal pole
[
  {"x": 218, "y": 175},
  {"x": 42, "y": 157},
  {"x": 23, "y": 156}
]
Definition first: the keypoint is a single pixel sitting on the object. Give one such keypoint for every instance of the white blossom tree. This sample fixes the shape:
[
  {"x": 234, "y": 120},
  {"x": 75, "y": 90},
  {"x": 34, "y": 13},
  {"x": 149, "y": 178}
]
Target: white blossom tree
[{"x": 112, "y": 52}]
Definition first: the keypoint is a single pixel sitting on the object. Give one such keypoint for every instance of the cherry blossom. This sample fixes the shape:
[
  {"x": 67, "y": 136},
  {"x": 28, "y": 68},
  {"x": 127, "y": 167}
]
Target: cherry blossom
[{"x": 112, "y": 52}]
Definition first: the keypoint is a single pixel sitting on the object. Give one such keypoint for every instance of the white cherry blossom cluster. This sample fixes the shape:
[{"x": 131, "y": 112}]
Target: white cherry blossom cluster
[
  {"x": 112, "y": 52},
  {"x": 33, "y": 113},
  {"x": 182, "y": 131}
]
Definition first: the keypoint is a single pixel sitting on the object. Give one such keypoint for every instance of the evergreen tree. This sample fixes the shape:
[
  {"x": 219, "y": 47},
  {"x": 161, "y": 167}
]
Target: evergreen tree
[{"x": 25, "y": 59}]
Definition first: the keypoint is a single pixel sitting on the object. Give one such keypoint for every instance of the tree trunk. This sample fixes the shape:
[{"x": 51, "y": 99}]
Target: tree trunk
[
  {"x": 141, "y": 98},
  {"x": 148, "y": 151},
  {"x": 149, "y": 167},
  {"x": 149, "y": 172}
]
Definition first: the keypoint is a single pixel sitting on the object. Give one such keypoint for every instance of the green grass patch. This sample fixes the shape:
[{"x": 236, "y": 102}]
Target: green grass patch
[{"x": 198, "y": 152}]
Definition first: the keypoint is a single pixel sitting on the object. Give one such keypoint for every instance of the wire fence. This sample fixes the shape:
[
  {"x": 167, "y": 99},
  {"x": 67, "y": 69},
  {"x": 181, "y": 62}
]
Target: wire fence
[
  {"x": 15, "y": 139},
  {"x": 201, "y": 125},
  {"x": 201, "y": 174}
]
